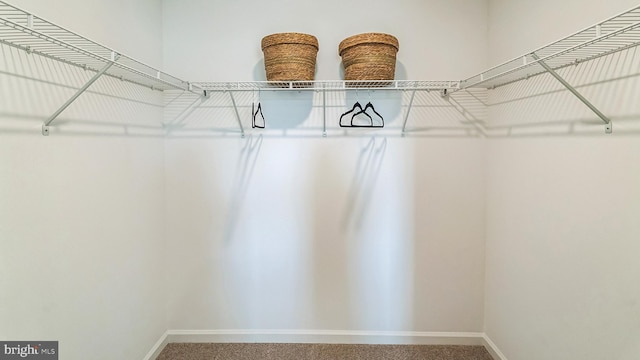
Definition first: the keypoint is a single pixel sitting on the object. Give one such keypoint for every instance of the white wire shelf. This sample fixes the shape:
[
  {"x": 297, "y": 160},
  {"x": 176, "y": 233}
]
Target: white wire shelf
[
  {"x": 23, "y": 30},
  {"x": 337, "y": 85},
  {"x": 609, "y": 36},
  {"x": 232, "y": 93}
]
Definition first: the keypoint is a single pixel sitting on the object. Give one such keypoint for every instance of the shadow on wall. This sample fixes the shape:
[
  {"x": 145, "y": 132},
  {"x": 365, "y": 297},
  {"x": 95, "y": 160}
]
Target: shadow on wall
[
  {"x": 541, "y": 106},
  {"x": 33, "y": 87},
  {"x": 361, "y": 248},
  {"x": 259, "y": 72},
  {"x": 460, "y": 114},
  {"x": 241, "y": 180},
  {"x": 187, "y": 114},
  {"x": 360, "y": 191},
  {"x": 285, "y": 110}
]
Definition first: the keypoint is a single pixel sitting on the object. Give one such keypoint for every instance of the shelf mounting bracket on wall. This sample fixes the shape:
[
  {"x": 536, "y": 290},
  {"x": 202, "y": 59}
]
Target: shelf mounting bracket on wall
[
  {"x": 45, "y": 126},
  {"x": 608, "y": 126},
  {"x": 324, "y": 111},
  {"x": 406, "y": 115},
  {"x": 235, "y": 108}
]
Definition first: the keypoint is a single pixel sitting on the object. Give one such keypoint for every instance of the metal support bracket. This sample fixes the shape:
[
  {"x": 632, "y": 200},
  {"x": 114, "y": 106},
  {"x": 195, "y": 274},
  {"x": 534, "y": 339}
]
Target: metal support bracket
[
  {"x": 608, "y": 129},
  {"x": 235, "y": 108},
  {"x": 45, "y": 126},
  {"x": 406, "y": 115},
  {"x": 324, "y": 112}
]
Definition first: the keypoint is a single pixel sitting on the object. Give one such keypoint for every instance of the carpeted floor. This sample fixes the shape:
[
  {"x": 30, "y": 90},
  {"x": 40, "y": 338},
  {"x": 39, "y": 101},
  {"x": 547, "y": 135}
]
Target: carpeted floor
[{"x": 227, "y": 351}]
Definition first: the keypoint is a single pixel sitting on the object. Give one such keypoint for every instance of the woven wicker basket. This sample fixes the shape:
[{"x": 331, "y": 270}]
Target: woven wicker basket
[
  {"x": 369, "y": 56},
  {"x": 290, "y": 56}
]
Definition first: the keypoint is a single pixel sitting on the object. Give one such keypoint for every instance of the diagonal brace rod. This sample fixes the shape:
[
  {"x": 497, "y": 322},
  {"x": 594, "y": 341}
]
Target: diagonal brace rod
[
  {"x": 235, "y": 108},
  {"x": 95, "y": 77},
  {"x": 406, "y": 115},
  {"x": 574, "y": 92}
]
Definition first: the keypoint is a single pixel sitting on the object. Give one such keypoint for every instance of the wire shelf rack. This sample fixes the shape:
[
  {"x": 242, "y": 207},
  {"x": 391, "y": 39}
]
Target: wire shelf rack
[
  {"x": 23, "y": 30},
  {"x": 328, "y": 85},
  {"x": 609, "y": 36}
]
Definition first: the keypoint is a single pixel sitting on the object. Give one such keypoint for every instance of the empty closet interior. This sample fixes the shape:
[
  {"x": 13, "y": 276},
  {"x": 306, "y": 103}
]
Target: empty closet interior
[{"x": 142, "y": 202}]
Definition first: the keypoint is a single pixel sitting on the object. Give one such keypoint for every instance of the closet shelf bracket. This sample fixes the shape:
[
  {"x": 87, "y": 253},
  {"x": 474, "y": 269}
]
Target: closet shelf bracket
[
  {"x": 324, "y": 111},
  {"x": 406, "y": 115},
  {"x": 47, "y": 123},
  {"x": 607, "y": 121},
  {"x": 235, "y": 108}
]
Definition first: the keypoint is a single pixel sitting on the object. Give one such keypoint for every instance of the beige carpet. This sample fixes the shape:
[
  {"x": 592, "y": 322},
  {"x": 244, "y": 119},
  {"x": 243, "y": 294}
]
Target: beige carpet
[{"x": 226, "y": 351}]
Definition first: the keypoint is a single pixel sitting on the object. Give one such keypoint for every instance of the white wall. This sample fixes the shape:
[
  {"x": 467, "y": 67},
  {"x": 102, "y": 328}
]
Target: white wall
[
  {"x": 81, "y": 211},
  {"x": 562, "y": 197},
  {"x": 284, "y": 231},
  {"x": 287, "y": 230},
  {"x": 220, "y": 40},
  {"x": 339, "y": 234}
]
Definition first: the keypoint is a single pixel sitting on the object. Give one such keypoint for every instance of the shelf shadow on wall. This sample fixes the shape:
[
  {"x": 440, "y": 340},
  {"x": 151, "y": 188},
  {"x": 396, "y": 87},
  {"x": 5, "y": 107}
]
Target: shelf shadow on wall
[
  {"x": 541, "y": 106},
  {"x": 259, "y": 71},
  {"x": 189, "y": 114},
  {"x": 241, "y": 180},
  {"x": 460, "y": 114},
  {"x": 363, "y": 183},
  {"x": 33, "y": 87},
  {"x": 285, "y": 111}
]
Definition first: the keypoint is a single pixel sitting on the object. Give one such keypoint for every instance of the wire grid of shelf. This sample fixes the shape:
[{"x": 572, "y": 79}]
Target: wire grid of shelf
[
  {"x": 328, "y": 85},
  {"x": 609, "y": 36},
  {"x": 318, "y": 113},
  {"x": 20, "y": 29},
  {"x": 23, "y": 30}
]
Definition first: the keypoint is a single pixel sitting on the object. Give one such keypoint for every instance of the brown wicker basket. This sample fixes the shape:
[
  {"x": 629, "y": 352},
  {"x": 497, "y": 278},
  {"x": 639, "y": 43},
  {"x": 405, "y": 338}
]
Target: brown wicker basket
[
  {"x": 369, "y": 56},
  {"x": 290, "y": 56}
]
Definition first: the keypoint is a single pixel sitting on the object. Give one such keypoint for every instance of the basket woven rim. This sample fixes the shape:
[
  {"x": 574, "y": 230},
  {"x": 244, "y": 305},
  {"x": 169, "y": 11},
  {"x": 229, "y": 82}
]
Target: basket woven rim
[
  {"x": 289, "y": 38},
  {"x": 368, "y": 38}
]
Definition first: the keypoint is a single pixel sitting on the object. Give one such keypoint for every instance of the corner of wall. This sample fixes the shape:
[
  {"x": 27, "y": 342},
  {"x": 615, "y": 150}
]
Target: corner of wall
[{"x": 492, "y": 348}]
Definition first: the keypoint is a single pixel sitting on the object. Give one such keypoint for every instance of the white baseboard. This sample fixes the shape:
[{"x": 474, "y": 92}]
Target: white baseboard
[
  {"x": 325, "y": 337},
  {"x": 157, "y": 348},
  {"x": 492, "y": 348}
]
